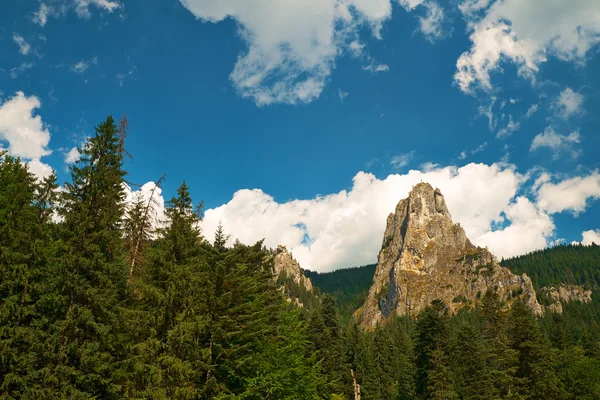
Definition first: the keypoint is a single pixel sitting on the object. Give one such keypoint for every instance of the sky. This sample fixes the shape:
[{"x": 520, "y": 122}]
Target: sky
[{"x": 304, "y": 122}]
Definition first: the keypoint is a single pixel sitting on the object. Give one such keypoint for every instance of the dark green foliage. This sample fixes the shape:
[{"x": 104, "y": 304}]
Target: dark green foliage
[
  {"x": 571, "y": 264},
  {"x": 349, "y": 287},
  {"x": 98, "y": 304},
  {"x": 24, "y": 209}
]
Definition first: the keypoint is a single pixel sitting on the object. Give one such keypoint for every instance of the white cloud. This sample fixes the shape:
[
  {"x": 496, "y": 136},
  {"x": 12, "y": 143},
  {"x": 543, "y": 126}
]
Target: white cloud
[
  {"x": 24, "y": 47},
  {"x": 82, "y": 66},
  {"x": 400, "y": 161},
  {"x": 39, "y": 169},
  {"x": 508, "y": 129},
  {"x": 570, "y": 194},
  {"x": 532, "y": 110},
  {"x": 40, "y": 17},
  {"x": 293, "y": 44},
  {"x": 557, "y": 142},
  {"x": 464, "y": 154},
  {"x": 524, "y": 32},
  {"x": 72, "y": 156},
  {"x": 568, "y": 103},
  {"x": 157, "y": 203},
  {"x": 27, "y": 135},
  {"x": 345, "y": 229},
  {"x": 590, "y": 237},
  {"x": 432, "y": 25},
  {"x": 487, "y": 111},
  {"x": 82, "y": 7},
  {"x": 410, "y": 5},
  {"x": 342, "y": 95},
  {"x": 531, "y": 226},
  {"x": 15, "y": 72},
  {"x": 375, "y": 68}
]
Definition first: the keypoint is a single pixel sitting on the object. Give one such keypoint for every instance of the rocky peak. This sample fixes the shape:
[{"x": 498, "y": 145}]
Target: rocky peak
[
  {"x": 425, "y": 256},
  {"x": 285, "y": 265}
]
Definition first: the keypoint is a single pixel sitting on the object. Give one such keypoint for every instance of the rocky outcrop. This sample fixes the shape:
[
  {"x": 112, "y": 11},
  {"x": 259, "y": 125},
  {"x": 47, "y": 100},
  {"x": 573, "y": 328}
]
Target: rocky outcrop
[
  {"x": 565, "y": 293},
  {"x": 425, "y": 256},
  {"x": 285, "y": 265}
]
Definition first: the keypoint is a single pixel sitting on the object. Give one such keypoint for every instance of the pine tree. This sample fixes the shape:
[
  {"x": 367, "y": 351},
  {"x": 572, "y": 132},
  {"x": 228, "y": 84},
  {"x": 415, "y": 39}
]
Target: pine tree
[
  {"x": 24, "y": 245},
  {"x": 139, "y": 224},
  {"x": 88, "y": 275},
  {"x": 220, "y": 238},
  {"x": 168, "y": 323},
  {"x": 470, "y": 367},
  {"x": 502, "y": 360},
  {"x": 439, "y": 379},
  {"x": 431, "y": 335},
  {"x": 326, "y": 337},
  {"x": 535, "y": 363}
]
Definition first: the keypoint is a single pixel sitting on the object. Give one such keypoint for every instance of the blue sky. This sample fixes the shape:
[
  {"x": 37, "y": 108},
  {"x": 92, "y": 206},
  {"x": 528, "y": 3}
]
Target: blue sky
[{"x": 304, "y": 122}]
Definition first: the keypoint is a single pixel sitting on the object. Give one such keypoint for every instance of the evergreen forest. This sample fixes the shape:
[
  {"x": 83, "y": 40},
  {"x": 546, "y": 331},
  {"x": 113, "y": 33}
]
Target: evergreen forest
[{"x": 96, "y": 302}]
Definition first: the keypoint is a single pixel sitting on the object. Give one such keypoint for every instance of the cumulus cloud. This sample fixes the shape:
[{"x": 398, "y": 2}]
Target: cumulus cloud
[
  {"x": 529, "y": 230},
  {"x": 39, "y": 169},
  {"x": 345, "y": 229},
  {"x": 72, "y": 156},
  {"x": 151, "y": 194},
  {"x": 292, "y": 45},
  {"x": 26, "y": 134},
  {"x": 526, "y": 33},
  {"x": 557, "y": 143},
  {"x": 568, "y": 103},
  {"x": 24, "y": 47},
  {"x": 570, "y": 194},
  {"x": 432, "y": 24},
  {"x": 590, "y": 237}
]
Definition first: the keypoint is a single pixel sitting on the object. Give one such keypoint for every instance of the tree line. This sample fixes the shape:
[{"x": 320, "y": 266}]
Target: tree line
[{"x": 96, "y": 303}]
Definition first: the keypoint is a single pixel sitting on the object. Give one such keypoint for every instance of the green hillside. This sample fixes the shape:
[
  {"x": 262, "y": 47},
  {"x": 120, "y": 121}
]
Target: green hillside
[{"x": 349, "y": 287}]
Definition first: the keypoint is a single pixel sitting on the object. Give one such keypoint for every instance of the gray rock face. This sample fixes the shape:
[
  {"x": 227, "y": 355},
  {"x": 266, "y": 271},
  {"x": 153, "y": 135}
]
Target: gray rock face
[
  {"x": 284, "y": 264},
  {"x": 565, "y": 293},
  {"x": 425, "y": 256}
]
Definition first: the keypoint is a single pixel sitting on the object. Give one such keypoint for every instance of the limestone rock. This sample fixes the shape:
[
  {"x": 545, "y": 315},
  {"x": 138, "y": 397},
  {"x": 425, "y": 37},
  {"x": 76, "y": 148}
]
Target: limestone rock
[
  {"x": 425, "y": 256},
  {"x": 285, "y": 264},
  {"x": 565, "y": 293}
]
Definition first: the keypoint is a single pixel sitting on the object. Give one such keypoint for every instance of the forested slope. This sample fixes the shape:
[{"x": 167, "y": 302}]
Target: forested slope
[{"x": 97, "y": 304}]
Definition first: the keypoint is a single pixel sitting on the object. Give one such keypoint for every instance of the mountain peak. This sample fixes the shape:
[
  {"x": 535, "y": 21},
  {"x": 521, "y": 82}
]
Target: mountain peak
[{"x": 425, "y": 256}]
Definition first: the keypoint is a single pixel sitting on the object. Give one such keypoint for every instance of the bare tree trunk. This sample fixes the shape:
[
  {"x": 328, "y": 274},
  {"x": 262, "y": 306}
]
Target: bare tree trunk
[
  {"x": 144, "y": 224},
  {"x": 356, "y": 386}
]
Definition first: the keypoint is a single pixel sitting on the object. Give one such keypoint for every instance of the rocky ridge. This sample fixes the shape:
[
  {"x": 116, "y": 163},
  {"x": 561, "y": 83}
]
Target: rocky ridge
[
  {"x": 425, "y": 256},
  {"x": 284, "y": 264},
  {"x": 565, "y": 293}
]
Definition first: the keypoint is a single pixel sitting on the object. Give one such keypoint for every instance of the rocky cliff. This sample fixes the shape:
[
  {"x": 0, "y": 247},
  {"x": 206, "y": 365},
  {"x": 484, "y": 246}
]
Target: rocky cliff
[
  {"x": 565, "y": 293},
  {"x": 425, "y": 256},
  {"x": 285, "y": 265}
]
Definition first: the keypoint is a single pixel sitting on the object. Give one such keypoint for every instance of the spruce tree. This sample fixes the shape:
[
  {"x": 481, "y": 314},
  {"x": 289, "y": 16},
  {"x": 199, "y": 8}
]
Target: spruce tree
[
  {"x": 535, "y": 362},
  {"x": 440, "y": 385},
  {"x": 432, "y": 333},
  {"x": 24, "y": 246},
  {"x": 169, "y": 311},
  {"x": 88, "y": 276}
]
